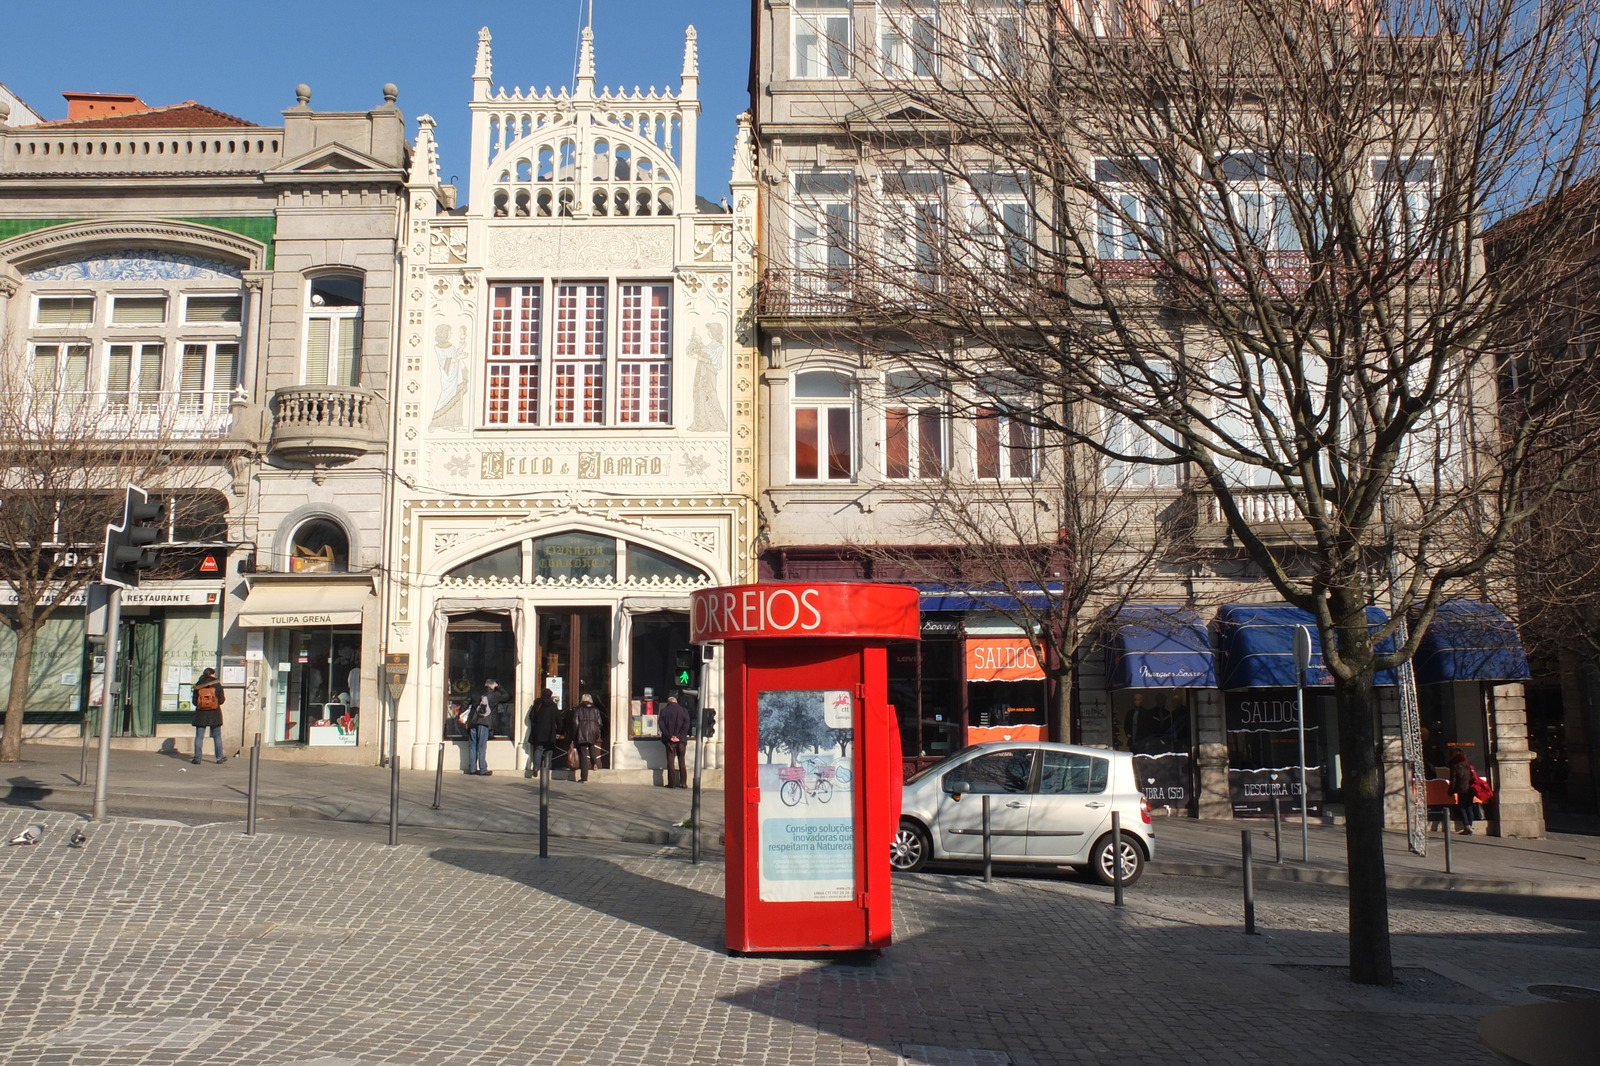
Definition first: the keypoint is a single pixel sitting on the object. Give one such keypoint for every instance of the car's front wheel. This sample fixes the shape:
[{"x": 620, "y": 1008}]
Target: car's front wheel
[
  {"x": 1103, "y": 860},
  {"x": 911, "y": 847}
]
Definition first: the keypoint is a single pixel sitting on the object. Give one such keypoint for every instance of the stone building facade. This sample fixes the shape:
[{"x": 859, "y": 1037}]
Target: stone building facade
[
  {"x": 574, "y": 445},
  {"x": 230, "y": 287}
]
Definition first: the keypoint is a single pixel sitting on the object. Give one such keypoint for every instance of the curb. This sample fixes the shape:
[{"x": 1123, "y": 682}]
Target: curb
[{"x": 1440, "y": 882}]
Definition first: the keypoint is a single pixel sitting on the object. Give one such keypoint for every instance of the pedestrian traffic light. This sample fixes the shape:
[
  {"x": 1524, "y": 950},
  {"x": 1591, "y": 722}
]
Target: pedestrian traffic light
[
  {"x": 711, "y": 721},
  {"x": 127, "y": 551},
  {"x": 686, "y": 669}
]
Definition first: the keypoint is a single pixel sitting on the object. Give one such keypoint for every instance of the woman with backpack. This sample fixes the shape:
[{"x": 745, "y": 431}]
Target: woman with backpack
[{"x": 208, "y": 701}]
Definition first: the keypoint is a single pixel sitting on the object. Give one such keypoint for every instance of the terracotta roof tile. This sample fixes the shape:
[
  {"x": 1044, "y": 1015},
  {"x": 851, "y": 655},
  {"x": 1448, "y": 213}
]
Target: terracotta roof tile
[{"x": 188, "y": 115}]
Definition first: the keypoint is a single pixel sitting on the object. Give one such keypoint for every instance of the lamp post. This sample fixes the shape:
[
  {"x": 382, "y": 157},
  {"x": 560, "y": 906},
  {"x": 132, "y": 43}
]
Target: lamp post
[{"x": 1302, "y": 661}]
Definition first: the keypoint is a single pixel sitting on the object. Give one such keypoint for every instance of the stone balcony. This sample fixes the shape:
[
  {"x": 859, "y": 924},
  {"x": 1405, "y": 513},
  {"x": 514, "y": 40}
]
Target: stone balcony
[{"x": 326, "y": 425}]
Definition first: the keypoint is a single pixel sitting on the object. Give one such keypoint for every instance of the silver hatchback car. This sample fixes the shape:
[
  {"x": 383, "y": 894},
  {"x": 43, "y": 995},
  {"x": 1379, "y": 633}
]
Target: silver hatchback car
[{"x": 1050, "y": 804}]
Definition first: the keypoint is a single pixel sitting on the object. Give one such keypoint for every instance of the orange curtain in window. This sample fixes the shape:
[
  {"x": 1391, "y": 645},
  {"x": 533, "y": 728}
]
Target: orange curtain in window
[{"x": 1002, "y": 659}]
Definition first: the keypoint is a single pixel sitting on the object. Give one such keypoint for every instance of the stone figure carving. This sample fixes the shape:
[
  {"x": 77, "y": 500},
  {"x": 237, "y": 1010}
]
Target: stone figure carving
[
  {"x": 707, "y": 356},
  {"x": 450, "y": 408}
]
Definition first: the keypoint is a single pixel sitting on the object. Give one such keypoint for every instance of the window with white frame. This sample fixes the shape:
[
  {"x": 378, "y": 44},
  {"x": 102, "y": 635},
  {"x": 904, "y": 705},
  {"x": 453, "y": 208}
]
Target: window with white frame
[
  {"x": 134, "y": 376},
  {"x": 644, "y": 355},
  {"x": 1405, "y": 189},
  {"x": 61, "y": 370},
  {"x": 333, "y": 330},
  {"x": 578, "y": 356},
  {"x": 515, "y": 337},
  {"x": 1127, "y": 224},
  {"x": 994, "y": 37},
  {"x": 1139, "y": 385},
  {"x": 908, "y": 38},
  {"x": 63, "y": 311},
  {"x": 209, "y": 373},
  {"x": 562, "y": 367},
  {"x": 822, "y": 38},
  {"x": 1006, "y": 448},
  {"x": 824, "y": 426},
  {"x": 915, "y": 429},
  {"x": 824, "y": 229},
  {"x": 914, "y": 226},
  {"x": 138, "y": 310},
  {"x": 1255, "y": 202},
  {"x": 1000, "y": 221}
]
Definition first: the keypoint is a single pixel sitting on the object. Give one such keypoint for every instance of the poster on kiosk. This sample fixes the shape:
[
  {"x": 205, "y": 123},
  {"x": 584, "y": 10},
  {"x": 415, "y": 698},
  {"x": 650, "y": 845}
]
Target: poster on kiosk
[{"x": 813, "y": 775}]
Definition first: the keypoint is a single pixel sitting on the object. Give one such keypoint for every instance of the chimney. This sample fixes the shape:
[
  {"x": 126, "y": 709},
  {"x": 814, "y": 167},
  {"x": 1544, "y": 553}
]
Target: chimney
[{"x": 99, "y": 105}]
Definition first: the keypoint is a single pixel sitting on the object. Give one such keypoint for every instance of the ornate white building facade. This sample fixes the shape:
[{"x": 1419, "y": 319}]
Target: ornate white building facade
[{"x": 574, "y": 419}]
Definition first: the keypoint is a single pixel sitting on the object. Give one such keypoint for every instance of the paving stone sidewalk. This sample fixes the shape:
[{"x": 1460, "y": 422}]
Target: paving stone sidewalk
[{"x": 170, "y": 944}]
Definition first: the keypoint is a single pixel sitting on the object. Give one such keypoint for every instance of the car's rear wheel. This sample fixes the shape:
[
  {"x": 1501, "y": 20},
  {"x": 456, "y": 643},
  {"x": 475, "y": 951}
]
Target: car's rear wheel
[
  {"x": 1103, "y": 860},
  {"x": 911, "y": 847}
]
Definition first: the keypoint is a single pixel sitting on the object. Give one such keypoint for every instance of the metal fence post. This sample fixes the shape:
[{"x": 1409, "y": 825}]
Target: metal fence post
[
  {"x": 438, "y": 780},
  {"x": 1116, "y": 857},
  {"x": 255, "y": 787},
  {"x": 988, "y": 860},
  {"x": 1249, "y": 884}
]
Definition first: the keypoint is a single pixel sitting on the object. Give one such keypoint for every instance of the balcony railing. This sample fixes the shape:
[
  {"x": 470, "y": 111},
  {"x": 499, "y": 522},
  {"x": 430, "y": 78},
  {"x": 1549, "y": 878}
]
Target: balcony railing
[
  {"x": 180, "y": 414},
  {"x": 326, "y": 424}
]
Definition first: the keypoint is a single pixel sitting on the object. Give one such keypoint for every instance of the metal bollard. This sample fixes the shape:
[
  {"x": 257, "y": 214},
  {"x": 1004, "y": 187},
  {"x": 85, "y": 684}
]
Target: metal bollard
[
  {"x": 1116, "y": 858},
  {"x": 1447, "y": 832},
  {"x": 1277, "y": 828},
  {"x": 544, "y": 804},
  {"x": 988, "y": 859},
  {"x": 255, "y": 782},
  {"x": 1249, "y": 885},
  {"x": 438, "y": 781}
]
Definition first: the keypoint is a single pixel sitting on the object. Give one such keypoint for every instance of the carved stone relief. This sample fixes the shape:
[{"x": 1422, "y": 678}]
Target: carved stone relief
[{"x": 581, "y": 250}]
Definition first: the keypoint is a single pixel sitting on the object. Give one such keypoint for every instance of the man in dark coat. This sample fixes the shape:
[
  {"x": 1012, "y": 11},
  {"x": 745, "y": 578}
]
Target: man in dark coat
[
  {"x": 675, "y": 726},
  {"x": 544, "y": 722},
  {"x": 587, "y": 726},
  {"x": 208, "y": 701}
]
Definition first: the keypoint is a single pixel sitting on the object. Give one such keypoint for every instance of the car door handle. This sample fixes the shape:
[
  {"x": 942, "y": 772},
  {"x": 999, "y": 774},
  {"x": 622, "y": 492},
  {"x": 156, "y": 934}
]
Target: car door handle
[{"x": 1094, "y": 805}]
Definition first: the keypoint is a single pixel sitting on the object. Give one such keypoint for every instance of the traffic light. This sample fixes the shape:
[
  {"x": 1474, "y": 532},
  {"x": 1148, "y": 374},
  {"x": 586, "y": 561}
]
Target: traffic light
[
  {"x": 686, "y": 669},
  {"x": 128, "y": 545},
  {"x": 711, "y": 721}
]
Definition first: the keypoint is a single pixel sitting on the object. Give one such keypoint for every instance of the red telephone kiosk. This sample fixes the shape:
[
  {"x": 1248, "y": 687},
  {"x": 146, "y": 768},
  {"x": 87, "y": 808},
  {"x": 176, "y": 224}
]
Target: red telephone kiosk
[{"x": 813, "y": 772}]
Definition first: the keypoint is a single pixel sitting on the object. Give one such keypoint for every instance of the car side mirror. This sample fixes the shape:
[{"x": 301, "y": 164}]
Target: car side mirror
[{"x": 957, "y": 789}]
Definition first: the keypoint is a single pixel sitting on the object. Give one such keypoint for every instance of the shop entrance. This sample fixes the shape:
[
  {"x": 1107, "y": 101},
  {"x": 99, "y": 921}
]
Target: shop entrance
[
  {"x": 138, "y": 666},
  {"x": 575, "y": 659}
]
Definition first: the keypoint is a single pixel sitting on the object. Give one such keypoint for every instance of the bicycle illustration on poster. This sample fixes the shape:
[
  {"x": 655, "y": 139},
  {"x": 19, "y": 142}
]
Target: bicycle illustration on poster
[{"x": 806, "y": 812}]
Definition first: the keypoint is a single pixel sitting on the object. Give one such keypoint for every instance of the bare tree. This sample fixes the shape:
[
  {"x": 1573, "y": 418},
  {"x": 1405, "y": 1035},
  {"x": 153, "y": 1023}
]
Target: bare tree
[
  {"x": 65, "y": 461},
  {"x": 1248, "y": 232}
]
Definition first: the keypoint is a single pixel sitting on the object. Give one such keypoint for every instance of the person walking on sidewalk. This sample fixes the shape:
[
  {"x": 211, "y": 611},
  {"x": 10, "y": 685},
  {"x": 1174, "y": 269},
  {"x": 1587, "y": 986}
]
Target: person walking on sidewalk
[
  {"x": 1461, "y": 777},
  {"x": 587, "y": 725},
  {"x": 208, "y": 701},
  {"x": 675, "y": 726},
  {"x": 544, "y": 722}
]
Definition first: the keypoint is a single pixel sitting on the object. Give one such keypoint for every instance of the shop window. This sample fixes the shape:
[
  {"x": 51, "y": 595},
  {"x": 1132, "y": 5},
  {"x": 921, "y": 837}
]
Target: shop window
[
  {"x": 647, "y": 564},
  {"x": 479, "y": 647},
  {"x": 502, "y": 565},
  {"x": 320, "y": 546},
  {"x": 575, "y": 557}
]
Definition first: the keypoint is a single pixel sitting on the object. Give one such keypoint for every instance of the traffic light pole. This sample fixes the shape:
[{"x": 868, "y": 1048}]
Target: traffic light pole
[{"x": 110, "y": 701}]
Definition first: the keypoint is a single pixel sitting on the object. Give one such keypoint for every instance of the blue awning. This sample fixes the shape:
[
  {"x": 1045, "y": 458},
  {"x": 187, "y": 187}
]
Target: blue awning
[
  {"x": 1257, "y": 646},
  {"x": 985, "y": 597},
  {"x": 1157, "y": 646},
  {"x": 1470, "y": 641}
]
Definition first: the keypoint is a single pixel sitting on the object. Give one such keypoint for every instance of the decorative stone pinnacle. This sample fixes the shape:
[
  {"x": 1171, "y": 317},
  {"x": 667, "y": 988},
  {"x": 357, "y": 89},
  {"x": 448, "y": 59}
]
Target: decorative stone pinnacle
[
  {"x": 484, "y": 68},
  {"x": 691, "y": 53}
]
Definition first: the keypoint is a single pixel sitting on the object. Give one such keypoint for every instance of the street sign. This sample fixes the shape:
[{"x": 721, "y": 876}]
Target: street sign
[{"x": 396, "y": 665}]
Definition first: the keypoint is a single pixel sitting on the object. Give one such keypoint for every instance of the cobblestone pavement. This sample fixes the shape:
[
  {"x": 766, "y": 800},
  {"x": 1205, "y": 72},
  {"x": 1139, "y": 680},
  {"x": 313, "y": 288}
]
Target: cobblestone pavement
[{"x": 162, "y": 943}]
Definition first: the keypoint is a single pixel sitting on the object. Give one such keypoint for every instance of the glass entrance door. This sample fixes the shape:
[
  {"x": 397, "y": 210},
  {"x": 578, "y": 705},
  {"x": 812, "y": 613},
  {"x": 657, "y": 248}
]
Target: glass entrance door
[
  {"x": 575, "y": 659},
  {"x": 139, "y": 668}
]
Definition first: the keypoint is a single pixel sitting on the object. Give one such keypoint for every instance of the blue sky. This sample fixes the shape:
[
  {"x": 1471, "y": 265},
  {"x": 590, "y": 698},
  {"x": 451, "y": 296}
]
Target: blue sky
[{"x": 246, "y": 58}]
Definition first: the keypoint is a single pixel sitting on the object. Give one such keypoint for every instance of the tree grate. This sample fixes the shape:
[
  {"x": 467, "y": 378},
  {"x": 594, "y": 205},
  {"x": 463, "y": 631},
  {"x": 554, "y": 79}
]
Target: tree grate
[{"x": 929, "y": 1055}]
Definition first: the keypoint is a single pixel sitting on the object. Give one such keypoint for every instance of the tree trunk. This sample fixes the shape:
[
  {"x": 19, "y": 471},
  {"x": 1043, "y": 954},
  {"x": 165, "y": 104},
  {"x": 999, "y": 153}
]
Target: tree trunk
[
  {"x": 17, "y": 699},
  {"x": 1064, "y": 680},
  {"x": 1371, "y": 962}
]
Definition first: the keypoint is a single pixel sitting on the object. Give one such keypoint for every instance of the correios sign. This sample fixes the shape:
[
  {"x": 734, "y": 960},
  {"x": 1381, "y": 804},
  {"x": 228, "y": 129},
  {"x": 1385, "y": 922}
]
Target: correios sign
[{"x": 805, "y": 609}]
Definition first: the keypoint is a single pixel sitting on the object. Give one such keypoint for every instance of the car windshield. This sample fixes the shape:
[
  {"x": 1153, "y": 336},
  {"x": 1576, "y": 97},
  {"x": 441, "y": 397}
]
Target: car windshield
[{"x": 935, "y": 767}]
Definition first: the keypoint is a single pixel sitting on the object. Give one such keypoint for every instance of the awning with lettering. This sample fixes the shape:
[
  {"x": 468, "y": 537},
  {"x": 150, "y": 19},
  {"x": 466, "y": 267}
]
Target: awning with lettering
[
  {"x": 985, "y": 597},
  {"x": 1158, "y": 646},
  {"x": 446, "y": 609},
  {"x": 303, "y": 604},
  {"x": 1470, "y": 641},
  {"x": 1257, "y": 645}
]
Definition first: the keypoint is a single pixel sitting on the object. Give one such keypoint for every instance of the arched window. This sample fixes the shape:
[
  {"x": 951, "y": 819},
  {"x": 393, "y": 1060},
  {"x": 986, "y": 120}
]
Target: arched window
[
  {"x": 319, "y": 546},
  {"x": 502, "y": 565}
]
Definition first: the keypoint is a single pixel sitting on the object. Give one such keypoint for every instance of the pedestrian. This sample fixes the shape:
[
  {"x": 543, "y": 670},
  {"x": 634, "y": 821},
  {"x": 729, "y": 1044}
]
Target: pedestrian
[
  {"x": 675, "y": 726},
  {"x": 479, "y": 717},
  {"x": 544, "y": 723},
  {"x": 208, "y": 701},
  {"x": 587, "y": 726},
  {"x": 1461, "y": 779}
]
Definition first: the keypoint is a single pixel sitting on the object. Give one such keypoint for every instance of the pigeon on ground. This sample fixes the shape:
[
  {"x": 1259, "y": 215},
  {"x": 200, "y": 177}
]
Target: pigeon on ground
[
  {"x": 79, "y": 839},
  {"x": 29, "y": 836}
]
